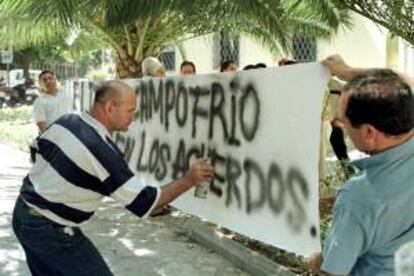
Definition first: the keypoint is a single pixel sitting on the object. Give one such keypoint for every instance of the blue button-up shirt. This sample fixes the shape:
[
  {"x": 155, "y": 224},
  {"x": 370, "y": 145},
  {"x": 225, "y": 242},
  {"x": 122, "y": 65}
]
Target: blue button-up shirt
[{"x": 373, "y": 215}]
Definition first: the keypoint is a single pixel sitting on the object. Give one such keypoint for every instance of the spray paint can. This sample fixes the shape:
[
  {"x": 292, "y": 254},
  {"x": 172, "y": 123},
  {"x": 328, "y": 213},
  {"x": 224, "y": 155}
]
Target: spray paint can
[{"x": 201, "y": 190}]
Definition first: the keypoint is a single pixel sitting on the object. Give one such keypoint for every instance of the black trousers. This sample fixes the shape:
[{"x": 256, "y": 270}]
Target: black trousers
[
  {"x": 55, "y": 250},
  {"x": 337, "y": 141}
]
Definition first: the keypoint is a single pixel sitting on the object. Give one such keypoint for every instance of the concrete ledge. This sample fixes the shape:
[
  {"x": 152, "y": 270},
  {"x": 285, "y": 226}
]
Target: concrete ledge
[{"x": 241, "y": 256}]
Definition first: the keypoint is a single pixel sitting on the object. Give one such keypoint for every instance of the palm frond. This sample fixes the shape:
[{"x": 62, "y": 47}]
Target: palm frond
[
  {"x": 27, "y": 33},
  {"x": 140, "y": 28}
]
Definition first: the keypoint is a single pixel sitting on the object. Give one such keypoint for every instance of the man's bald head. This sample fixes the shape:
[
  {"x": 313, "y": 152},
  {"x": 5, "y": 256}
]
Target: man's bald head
[
  {"x": 113, "y": 90},
  {"x": 115, "y": 105}
]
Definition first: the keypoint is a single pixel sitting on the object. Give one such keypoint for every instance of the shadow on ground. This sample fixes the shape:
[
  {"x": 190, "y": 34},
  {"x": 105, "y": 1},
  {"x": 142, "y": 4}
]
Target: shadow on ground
[
  {"x": 131, "y": 246},
  {"x": 12, "y": 260},
  {"x": 155, "y": 246}
]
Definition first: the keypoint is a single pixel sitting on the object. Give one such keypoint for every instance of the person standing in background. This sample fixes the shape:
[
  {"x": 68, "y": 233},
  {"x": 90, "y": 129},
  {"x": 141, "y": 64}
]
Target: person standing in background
[
  {"x": 229, "y": 66},
  {"x": 152, "y": 67},
  {"x": 52, "y": 102},
  {"x": 187, "y": 68}
]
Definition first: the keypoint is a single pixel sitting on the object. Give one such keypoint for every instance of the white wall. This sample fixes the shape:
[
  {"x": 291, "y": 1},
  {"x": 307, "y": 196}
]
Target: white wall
[
  {"x": 406, "y": 58},
  {"x": 200, "y": 51},
  {"x": 251, "y": 52},
  {"x": 363, "y": 46}
]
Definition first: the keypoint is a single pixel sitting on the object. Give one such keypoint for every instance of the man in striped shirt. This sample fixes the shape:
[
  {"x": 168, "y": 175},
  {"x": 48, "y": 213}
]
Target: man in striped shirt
[{"x": 77, "y": 164}]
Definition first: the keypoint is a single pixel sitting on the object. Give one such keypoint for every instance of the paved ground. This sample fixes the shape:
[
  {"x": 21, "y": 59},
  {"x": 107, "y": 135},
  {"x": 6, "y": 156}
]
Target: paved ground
[{"x": 157, "y": 246}]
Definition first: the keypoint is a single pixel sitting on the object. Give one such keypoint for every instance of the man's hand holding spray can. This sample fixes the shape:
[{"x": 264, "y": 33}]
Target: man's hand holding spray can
[{"x": 201, "y": 191}]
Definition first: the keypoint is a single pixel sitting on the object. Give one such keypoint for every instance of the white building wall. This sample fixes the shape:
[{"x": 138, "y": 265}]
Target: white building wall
[
  {"x": 364, "y": 45},
  {"x": 251, "y": 52},
  {"x": 200, "y": 51},
  {"x": 406, "y": 58}
]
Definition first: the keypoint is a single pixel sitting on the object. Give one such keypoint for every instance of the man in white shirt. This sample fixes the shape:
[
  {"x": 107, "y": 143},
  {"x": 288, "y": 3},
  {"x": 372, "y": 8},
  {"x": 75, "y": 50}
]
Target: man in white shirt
[{"x": 52, "y": 102}]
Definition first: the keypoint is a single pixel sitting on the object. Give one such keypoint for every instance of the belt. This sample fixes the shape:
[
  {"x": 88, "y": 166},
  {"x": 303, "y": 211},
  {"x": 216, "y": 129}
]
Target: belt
[{"x": 66, "y": 229}]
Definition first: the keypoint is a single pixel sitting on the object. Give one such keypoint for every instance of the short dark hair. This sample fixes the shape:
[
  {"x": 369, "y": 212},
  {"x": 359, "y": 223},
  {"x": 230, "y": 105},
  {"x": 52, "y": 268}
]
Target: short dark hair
[
  {"x": 44, "y": 72},
  {"x": 284, "y": 62},
  {"x": 187, "y": 62},
  {"x": 382, "y": 99},
  {"x": 108, "y": 89},
  {"x": 249, "y": 67},
  {"x": 254, "y": 66},
  {"x": 226, "y": 64},
  {"x": 260, "y": 65}
]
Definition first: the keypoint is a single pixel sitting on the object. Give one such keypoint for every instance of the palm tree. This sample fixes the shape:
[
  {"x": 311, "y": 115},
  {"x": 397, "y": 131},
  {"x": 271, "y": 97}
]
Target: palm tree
[
  {"x": 396, "y": 15},
  {"x": 137, "y": 29}
]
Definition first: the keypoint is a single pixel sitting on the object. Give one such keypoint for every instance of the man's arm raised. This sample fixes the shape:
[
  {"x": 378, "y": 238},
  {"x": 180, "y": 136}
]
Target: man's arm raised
[{"x": 339, "y": 68}]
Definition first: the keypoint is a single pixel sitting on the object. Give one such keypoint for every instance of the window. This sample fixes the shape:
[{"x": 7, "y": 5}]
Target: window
[
  {"x": 167, "y": 58},
  {"x": 225, "y": 47},
  {"x": 304, "y": 48}
]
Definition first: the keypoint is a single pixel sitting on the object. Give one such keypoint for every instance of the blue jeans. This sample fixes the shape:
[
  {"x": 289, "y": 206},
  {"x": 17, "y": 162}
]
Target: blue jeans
[{"x": 53, "y": 249}]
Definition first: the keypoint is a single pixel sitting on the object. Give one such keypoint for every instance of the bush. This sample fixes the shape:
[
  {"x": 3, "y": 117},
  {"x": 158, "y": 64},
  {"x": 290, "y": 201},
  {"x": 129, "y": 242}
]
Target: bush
[
  {"x": 22, "y": 113},
  {"x": 340, "y": 172},
  {"x": 17, "y": 128}
]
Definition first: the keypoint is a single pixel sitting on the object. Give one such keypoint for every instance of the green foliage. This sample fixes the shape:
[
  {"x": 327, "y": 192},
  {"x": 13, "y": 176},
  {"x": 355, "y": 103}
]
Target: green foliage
[
  {"x": 16, "y": 127},
  {"x": 325, "y": 225},
  {"x": 41, "y": 41},
  {"x": 141, "y": 28},
  {"x": 397, "y": 15},
  {"x": 340, "y": 173},
  {"x": 22, "y": 31},
  {"x": 97, "y": 75},
  {"x": 20, "y": 114},
  {"x": 17, "y": 135},
  {"x": 53, "y": 51}
]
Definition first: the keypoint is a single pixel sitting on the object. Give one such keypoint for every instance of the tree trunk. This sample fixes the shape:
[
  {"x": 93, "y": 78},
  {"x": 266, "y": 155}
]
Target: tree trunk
[
  {"x": 26, "y": 65},
  {"x": 127, "y": 67}
]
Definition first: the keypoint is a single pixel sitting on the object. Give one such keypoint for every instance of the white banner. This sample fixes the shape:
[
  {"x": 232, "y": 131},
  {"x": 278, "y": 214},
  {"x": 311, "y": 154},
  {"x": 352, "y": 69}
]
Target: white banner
[{"x": 261, "y": 130}]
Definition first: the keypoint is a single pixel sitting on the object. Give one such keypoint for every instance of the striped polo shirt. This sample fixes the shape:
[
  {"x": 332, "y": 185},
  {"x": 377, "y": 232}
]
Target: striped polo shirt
[{"x": 77, "y": 164}]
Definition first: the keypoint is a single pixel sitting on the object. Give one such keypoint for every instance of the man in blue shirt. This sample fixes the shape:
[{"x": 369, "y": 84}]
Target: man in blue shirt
[{"x": 372, "y": 215}]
